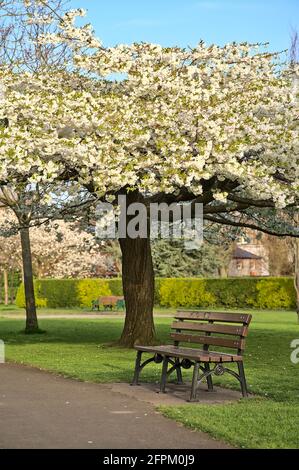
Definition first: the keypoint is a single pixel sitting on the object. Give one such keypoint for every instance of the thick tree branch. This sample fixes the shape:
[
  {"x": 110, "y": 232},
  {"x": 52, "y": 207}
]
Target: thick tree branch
[{"x": 250, "y": 225}]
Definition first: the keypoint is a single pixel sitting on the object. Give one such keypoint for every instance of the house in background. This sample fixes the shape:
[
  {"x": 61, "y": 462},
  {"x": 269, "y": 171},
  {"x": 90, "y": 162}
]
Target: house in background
[{"x": 249, "y": 259}]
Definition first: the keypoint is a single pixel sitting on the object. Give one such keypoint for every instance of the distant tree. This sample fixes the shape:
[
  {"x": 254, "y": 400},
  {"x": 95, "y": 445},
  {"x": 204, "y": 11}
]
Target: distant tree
[
  {"x": 280, "y": 255},
  {"x": 10, "y": 254},
  {"x": 61, "y": 250},
  {"x": 29, "y": 206},
  {"x": 173, "y": 259}
]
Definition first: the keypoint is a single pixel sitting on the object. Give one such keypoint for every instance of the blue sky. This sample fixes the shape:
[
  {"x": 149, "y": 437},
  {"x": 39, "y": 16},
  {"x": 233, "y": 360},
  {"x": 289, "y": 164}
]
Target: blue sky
[{"x": 185, "y": 22}]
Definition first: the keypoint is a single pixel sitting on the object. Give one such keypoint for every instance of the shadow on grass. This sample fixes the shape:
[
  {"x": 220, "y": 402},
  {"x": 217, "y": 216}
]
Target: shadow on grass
[{"x": 105, "y": 332}]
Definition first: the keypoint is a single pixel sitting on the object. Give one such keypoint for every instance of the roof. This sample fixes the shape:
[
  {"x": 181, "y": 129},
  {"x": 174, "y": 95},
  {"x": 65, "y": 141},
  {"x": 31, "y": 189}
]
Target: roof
[{"x": 239, "y": 253}]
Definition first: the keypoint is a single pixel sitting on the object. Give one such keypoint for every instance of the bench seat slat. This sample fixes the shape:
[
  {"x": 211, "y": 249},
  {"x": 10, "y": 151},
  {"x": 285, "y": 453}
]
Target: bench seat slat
[
  {"x": 211, "y": 328},
  {"x": 190, "y": 353},
  {"x": 214, "y": 316}
]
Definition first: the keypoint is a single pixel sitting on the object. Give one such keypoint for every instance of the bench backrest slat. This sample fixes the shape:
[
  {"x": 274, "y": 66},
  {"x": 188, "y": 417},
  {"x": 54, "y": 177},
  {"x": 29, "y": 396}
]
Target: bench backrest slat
[
  {"x": 243, "y": 318},
  {"x": 222, "y": 329},
  {"x": 234, "y": 330},
  {"x": 110, "y": 299},
  {"x": 209, "y": 340}
]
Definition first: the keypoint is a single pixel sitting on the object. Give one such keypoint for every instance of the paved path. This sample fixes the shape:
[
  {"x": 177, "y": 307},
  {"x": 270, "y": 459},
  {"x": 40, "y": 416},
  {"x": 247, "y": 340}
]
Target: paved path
[{"x": 42, "y": 410}]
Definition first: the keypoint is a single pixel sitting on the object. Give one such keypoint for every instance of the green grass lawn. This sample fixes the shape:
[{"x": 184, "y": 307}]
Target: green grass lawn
[
  {"x": 82, "y": 349},
  {"x": 6, "y": 310},
  {"x": 13, "y": 310}
]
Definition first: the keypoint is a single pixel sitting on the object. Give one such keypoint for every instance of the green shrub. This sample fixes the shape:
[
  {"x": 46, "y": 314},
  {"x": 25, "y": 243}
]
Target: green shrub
[
  {"x": 59, "y": 293},
  {"x": 276, "y": 293},
  {"x": 251, "y": 292},
  {"x": 88, "y": 290},
  {"x": 20, "y": 297},
  {"x": 176, "y": 292},
  {"x": 65, "y": 293},
  {"x": 158, "y": 282},
  {"x": 116, "y": 286},
  {"x": 233, "y": 292}
]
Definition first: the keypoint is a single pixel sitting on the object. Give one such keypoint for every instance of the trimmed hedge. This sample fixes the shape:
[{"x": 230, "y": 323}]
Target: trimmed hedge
[
  {"x": 64, "y": 293},
  {"x": 116, "y": 286},
  {"x": 268, "y": 293},
  {"x": 265, "y": 293}
]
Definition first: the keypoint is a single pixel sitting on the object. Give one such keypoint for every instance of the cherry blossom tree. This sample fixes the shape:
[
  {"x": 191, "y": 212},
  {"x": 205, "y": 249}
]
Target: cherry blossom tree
[
  {"x": 62, "y": 250},
  {"x": 59, "y": 249},
  {"x": 21, "y": 51},
  {"x": 31, "y": 210},
  {"x": 211, "y": 125}
]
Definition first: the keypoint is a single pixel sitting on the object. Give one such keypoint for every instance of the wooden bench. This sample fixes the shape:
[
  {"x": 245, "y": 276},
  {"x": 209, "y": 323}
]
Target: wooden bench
[
  {"x": 223, "y": 330},
  {"x": 108, "y": 301}
]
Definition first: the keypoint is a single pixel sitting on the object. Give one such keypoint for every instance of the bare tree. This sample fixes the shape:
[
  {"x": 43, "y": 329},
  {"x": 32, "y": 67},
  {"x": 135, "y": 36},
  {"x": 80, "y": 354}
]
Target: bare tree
[{"x": 294, "y": 49}]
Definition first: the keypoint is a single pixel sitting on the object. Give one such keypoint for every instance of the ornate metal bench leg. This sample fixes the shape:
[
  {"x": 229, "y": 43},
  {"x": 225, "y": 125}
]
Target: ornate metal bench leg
[
  {"x": 164, "y": 375},
  {"x": 194, "y": 382},
  {"x": 179, "y": 372},
  {"x": 137, "y": 368},
  {"x": 242, "y": 379},
  {"x": 209, "y": 377}
]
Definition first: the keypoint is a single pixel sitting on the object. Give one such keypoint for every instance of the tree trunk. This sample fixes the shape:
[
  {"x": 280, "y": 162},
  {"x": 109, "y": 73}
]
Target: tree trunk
[
  {"x": 138, "y": 287},
  {"x": 5, "y": 279},
  {"x": 12, "y": 285},
  {"x": 223, "y": 272},
  {"x": 31, "y": 317},
  {"x": 295, "y": 245}
]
